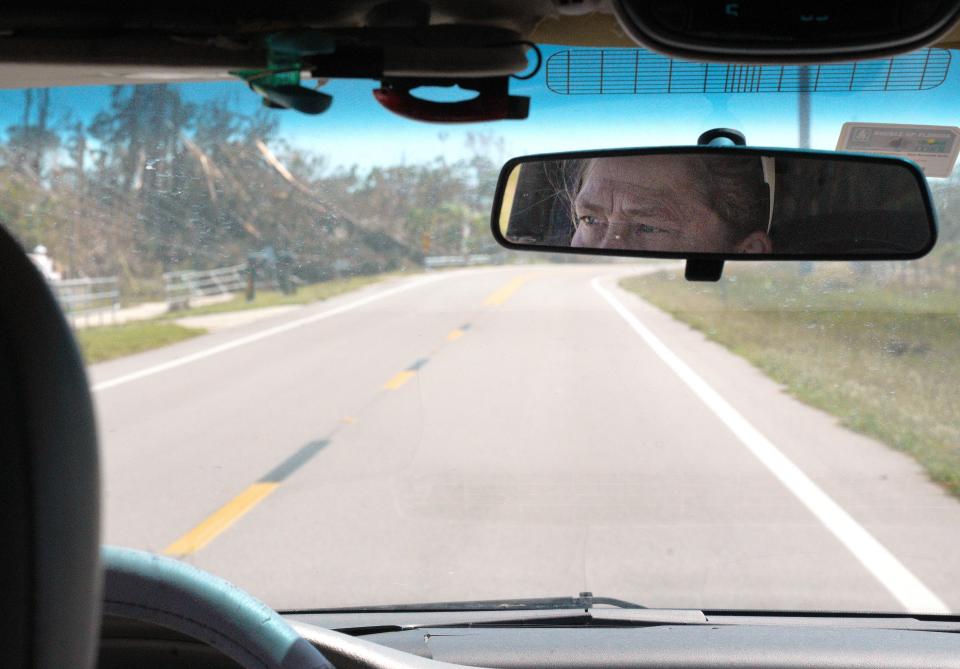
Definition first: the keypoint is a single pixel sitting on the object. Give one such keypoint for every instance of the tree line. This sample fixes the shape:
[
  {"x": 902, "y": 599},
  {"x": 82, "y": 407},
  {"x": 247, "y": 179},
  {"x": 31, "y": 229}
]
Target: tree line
[{"x": 156, "y": 183}]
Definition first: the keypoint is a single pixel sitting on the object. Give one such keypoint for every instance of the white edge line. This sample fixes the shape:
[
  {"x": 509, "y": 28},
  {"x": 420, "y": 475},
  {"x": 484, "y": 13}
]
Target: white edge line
[
  {"x": 262, "y": 334},
  {"x": 873, "y": 555}
]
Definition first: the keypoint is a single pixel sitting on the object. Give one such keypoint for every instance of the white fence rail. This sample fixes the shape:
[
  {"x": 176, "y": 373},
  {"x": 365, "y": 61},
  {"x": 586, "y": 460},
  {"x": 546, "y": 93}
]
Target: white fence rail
[
  {"x": 432, "y": 262},
  {"x": 181, "y": 287},
  {"x": 84, "y": 298}
]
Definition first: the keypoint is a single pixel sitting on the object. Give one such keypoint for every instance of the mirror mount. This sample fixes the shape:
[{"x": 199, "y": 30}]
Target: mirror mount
[{"x": 722, "y": 137}]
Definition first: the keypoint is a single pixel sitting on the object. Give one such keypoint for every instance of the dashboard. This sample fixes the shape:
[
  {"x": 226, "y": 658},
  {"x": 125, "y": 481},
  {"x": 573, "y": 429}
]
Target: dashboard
[{"x": 802, "y": 644}]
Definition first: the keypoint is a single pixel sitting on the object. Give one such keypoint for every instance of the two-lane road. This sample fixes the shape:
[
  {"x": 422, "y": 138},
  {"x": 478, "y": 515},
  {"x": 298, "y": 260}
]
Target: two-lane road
[{"x": 511, "y": 432}]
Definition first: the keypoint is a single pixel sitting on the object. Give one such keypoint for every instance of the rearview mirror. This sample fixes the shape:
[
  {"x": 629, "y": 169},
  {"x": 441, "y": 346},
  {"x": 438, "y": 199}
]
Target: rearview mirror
[{"x": 716, "y": 203}]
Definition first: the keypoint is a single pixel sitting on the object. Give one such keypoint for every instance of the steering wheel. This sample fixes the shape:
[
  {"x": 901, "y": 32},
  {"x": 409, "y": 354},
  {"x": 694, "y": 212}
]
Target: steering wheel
[
  {"x": 175, "y": 595},
  {"x": 178, "y": 596}
]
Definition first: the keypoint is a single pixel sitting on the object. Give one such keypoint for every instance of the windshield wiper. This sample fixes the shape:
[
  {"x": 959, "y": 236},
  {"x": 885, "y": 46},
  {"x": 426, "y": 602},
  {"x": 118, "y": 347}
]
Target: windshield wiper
[
  {"x": 585, "y": 601},
  {"x": 572, "y": 612}
]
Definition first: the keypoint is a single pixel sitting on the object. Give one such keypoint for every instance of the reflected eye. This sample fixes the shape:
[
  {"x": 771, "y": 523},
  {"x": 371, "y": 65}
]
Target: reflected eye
[{"x": 588, "y": 220}]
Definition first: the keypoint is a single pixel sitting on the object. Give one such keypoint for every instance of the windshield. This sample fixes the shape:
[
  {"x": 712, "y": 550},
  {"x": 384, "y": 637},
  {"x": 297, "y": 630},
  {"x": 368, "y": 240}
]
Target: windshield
[{"x": 318, "y": 376}]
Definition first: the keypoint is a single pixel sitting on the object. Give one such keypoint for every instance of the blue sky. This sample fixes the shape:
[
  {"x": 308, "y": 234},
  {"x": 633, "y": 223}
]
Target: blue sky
[{"x": 356, "y": 130}]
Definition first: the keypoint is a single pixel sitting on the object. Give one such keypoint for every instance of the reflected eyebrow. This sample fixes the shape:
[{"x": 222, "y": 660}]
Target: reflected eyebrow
[{"x": 585, "y": 204}]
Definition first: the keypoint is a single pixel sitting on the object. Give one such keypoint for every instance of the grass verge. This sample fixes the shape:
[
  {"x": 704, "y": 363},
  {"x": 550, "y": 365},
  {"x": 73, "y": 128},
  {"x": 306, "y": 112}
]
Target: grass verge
[
  {"x": 884, "y": 359},
  {"x": 114, "y": 341},
  {"x": 313, "y": 292}
]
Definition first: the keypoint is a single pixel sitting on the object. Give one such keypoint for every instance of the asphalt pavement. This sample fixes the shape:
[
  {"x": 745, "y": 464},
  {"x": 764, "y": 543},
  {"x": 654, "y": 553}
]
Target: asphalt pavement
[{"x": 508, "y": 432}]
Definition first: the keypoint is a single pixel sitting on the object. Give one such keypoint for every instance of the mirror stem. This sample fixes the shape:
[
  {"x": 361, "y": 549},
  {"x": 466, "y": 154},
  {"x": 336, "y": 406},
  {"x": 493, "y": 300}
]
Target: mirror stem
[
  {"x": 698, "y": 269},
  {"x": 712, "y": 270}
]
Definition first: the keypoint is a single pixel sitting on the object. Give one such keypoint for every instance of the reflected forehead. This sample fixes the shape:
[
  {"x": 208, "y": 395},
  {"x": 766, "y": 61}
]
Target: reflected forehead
[
  {"x": 651, "y": 177},
  {"x": 641, "y": 169},
  {"x": 644, "y": 175},
  {"x": 598, "y": 190}
]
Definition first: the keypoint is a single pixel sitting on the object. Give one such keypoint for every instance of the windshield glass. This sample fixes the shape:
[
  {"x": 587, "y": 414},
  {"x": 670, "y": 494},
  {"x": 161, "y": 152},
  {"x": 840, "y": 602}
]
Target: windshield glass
[{"x": 318, "y": 376}]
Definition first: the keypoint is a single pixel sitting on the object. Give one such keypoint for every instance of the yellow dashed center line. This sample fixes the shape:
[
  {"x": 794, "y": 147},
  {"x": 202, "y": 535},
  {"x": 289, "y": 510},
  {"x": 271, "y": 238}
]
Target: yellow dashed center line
[
  {"x": 220, "y": 520},
  {"x": 399, "y": 379},
  {"x": 503, "y": 293}
]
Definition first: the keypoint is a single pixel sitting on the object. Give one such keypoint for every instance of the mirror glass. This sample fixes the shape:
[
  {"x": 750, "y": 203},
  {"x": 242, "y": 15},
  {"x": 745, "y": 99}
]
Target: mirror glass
[{"x": 731, "y": 201}]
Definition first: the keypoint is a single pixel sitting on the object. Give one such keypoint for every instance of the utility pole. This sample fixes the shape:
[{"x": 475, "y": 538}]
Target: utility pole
[
  {"x": 803, "y": 134},
  {"x": 803, "y": 109},
  {"x": 79, "y": 158}
]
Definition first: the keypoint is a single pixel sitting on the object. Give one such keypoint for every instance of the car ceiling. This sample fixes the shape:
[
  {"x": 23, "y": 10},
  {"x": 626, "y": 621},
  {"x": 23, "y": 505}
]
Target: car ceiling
[{"x": 99, "y": 47}]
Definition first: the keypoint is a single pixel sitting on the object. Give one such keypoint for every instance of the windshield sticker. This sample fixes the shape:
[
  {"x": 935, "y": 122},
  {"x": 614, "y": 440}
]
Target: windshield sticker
[{"x": 933, "y": 147}]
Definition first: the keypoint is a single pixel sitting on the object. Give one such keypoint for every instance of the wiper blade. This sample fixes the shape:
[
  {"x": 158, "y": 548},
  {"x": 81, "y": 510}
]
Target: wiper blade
[
  {"x": 585, "y": 601},
  {"x": 363, "y": 623}
]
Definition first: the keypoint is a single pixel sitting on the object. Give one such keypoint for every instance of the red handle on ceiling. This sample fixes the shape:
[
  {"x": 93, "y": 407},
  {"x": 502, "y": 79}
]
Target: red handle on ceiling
[{"x": 484, "y": 107}]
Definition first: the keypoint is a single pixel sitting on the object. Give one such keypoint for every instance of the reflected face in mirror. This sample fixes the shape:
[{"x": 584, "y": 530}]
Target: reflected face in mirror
[
  {"x": 671, "y": 203},
  {"x": 730, "y": 202}
]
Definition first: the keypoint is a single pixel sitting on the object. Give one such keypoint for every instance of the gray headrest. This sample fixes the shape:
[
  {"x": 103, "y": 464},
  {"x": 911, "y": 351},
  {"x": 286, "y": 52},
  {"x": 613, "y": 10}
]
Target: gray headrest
[{"x": 49, "y": 506}]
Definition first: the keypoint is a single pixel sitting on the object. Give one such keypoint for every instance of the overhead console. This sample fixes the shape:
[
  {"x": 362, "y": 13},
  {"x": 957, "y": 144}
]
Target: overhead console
[{"x": 760, "y": 31}]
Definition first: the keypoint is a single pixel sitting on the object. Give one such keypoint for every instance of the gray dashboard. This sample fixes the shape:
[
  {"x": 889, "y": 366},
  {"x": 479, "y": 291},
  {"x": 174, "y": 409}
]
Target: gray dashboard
[
  {"x": 679, "y": 647},
  {"x": 756, "y": 644}
]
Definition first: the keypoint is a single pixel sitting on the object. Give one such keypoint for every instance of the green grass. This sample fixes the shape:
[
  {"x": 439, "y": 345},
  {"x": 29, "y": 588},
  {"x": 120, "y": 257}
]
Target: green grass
[
  {"x": 305, "y": 295},
  {"x": 884, "y": 359},
  {"x": 114, "y": 341}
]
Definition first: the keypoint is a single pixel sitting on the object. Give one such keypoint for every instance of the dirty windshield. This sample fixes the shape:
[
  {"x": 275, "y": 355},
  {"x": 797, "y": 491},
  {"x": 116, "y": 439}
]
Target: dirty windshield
[{"x": 317, "y": 375}]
